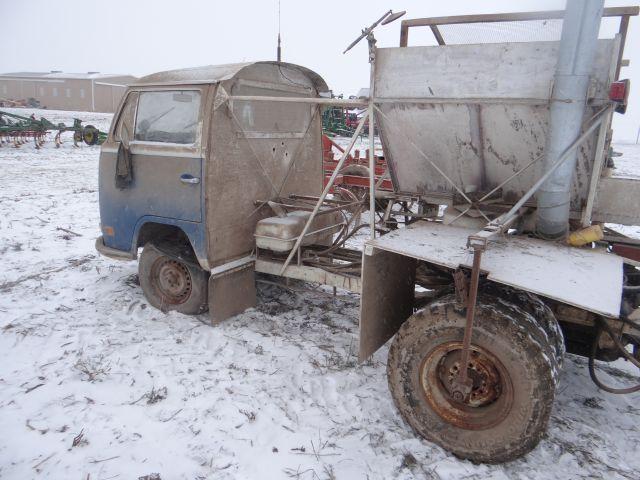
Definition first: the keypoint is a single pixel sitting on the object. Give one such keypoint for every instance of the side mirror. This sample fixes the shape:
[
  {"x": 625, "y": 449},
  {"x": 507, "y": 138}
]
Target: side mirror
[{"x": 124, "y": 167}]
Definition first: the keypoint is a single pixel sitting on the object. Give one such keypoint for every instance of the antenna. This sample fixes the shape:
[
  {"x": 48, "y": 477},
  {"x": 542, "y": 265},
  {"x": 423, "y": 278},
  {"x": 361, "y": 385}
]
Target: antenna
[
  {"x": 385, "y": 19},
  {"x": 279, "y": 55}
]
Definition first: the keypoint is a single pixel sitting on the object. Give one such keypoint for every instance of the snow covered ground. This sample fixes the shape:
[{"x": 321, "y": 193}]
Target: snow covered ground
[
  {"x": 627, "y": 165},
  {"x": 96, "y": 384}
]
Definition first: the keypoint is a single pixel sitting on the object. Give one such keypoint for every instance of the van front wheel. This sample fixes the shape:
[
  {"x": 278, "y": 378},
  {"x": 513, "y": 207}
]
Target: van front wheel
[{"x": 169, "y": 283}]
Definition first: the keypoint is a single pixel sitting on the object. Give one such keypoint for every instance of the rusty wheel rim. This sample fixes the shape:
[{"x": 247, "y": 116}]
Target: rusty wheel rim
[
  {"x": 171, "y": 280},
  {"x": 491, "y": 397}
]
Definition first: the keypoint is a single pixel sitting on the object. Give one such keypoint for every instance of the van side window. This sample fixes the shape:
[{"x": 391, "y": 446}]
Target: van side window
[
  {"x": 259, "y": 117},
  {"x": 168, "y": 117},
  {"x": 124, "y": 130}
]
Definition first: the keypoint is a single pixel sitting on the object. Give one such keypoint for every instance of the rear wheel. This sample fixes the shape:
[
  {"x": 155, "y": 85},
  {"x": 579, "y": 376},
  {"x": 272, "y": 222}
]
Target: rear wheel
[
  {"x": 90, "y": 135},
  {"x": 172, "y": 284},
  {"x": 513, "y": 365}
]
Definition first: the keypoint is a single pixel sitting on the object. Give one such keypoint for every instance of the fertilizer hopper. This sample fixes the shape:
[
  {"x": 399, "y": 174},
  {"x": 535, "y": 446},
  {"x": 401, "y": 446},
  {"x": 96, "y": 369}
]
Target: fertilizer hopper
[{"x": 468, "y": 127}]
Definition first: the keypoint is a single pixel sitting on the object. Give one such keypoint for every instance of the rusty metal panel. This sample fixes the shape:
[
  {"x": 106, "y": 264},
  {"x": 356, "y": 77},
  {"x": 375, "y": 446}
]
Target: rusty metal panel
[
  {"x": 489, "y": 118},
  {"x": 231, "y": 292},
  {"x": 388, "y": 290},
  {"x": 264, "y": 164},
  {"x": 585, "y": 278}
]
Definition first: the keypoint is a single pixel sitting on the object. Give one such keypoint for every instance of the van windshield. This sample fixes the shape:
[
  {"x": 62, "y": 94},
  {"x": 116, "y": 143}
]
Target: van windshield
[{"x": 168, "y": 116}]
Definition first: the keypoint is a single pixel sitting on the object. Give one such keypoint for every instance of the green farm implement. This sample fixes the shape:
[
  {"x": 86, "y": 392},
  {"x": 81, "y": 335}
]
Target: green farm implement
[{"x": 16, "y": 130}]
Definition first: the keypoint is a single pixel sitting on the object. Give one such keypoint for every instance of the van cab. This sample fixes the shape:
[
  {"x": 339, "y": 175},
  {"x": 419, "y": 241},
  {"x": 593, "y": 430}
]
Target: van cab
[{"x": 187, "y": 170}]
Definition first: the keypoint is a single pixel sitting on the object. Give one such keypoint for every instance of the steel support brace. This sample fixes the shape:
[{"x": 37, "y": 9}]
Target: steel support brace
[
  {"x": 463, "y": 384},
  {"x": 372, "y": 155}
]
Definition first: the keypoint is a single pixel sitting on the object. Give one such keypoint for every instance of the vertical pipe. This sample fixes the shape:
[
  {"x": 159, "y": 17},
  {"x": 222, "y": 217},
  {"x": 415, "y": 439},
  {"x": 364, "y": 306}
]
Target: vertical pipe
[{"x": 575, "y": 59}]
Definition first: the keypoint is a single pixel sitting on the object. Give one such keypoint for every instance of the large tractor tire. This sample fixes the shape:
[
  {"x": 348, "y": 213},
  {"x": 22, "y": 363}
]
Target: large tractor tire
[
  {"x": 172, "y": 284},
  {"x": 90, "y": 135},
  {"x": 515, "y": 356}
]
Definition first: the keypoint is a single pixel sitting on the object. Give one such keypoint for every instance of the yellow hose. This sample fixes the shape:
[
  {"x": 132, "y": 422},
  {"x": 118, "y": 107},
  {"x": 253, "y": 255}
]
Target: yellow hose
[{"x": 585, "y": 236}]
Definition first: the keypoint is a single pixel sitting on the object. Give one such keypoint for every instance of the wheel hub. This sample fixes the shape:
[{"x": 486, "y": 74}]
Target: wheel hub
[
  {"x": 483, "y": 374},
  {"x": 491, "y": 393},
  {"x": 172, "y": 280}
]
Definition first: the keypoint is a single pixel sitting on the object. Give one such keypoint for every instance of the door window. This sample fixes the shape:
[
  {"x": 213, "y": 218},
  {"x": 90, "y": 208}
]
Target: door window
[{"x": 168, "y": 117}]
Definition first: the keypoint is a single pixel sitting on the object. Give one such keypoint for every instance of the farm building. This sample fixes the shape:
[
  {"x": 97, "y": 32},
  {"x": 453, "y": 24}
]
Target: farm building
[{"x": 86, "y": 92}]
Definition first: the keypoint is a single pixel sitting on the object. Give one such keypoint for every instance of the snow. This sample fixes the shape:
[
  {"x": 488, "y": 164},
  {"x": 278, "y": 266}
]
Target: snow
[
  {"x": 273, "y": 393},
  {"x": 627, "y": 165}
]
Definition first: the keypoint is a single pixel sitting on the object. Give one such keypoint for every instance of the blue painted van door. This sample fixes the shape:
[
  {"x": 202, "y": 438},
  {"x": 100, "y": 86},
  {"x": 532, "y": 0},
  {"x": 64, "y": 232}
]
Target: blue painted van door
[{"x": 166, "y": 162}]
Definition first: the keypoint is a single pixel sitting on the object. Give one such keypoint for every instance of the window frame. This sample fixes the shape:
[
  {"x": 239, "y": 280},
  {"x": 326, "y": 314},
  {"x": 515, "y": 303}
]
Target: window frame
[
  {"x": 121, "y": 113},
  {"x": 261, "y": 88}
]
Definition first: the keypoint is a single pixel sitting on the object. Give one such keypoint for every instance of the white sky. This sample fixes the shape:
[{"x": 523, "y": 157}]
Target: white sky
[{"x": 145, "y": 36}]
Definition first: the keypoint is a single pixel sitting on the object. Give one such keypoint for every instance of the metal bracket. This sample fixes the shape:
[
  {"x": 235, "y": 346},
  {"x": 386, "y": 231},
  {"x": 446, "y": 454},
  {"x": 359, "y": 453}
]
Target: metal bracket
[
  {"x": 479, "y": 241},
  {"x": 372, "y": 48},
  {"x": 461, "y": 285}
]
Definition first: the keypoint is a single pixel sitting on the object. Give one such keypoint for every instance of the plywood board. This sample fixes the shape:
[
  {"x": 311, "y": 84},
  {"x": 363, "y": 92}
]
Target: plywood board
[
  {"x": 585, "y": 278},
  {"x": 387, "y": 298}
]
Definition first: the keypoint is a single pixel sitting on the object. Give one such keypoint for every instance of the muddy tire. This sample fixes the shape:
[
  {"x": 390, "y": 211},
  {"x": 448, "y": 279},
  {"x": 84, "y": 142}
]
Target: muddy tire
[
  {"x": 513, "y": 365},
  {"x": 551, "y": 335},
  {"x": 90, "y": 135},
  {"x": 171, "y": 284}
]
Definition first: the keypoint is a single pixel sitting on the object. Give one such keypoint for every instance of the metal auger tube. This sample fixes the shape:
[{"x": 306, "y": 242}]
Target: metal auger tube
[{"x": 575, "y": 59}]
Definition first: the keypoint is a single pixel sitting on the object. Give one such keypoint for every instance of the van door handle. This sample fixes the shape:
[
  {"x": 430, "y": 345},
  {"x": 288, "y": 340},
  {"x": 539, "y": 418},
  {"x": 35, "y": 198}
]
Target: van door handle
[{"x": 187, "y": 178}]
